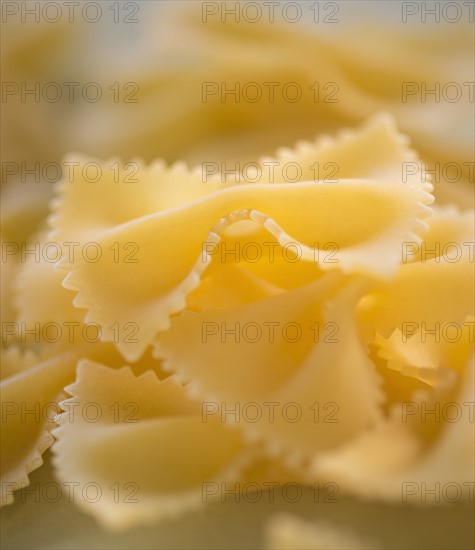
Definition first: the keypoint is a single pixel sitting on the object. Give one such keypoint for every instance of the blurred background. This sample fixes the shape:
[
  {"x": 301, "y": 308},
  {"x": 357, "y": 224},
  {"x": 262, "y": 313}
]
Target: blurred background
[{"x": 227, "y": 82}]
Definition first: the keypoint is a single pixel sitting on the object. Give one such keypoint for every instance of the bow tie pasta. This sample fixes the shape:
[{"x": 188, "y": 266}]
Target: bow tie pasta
[{"x": 309, "y": 308}]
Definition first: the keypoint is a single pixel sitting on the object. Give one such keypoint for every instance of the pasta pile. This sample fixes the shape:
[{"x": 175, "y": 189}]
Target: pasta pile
[{"x": 189, "y": 296}]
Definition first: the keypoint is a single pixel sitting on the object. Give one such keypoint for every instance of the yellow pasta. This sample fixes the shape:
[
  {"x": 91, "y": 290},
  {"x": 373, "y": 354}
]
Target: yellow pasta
[
  {"x": 29, "y": 406},
  {"x": 152, "y": 220},
  {"x": 393, "y": 463},
  {"x": 277, "y": 328},
  {"x": 155, "y": 430},
  {"x": 286, "y": 352}
]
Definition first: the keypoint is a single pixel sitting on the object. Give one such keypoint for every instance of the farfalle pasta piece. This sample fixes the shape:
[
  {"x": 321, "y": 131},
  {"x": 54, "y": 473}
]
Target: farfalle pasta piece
[
  {"x": 46, "y": 320},
  {"x": 107, "y": 197},
  {"x": 39, "y": 296},
  {"x": 449, "y": 231},
  {"x": 408, "y": 301},
  {"x": 375, "y": 150},
  {"x": 444, "y": 383},
  {"x": 432, "y": 358},
  {"x": 418, "y": 335},
  {"x": 167, "y": 453},
  {"x": 295, "y": 214},
  {"x": 44, "y": 316},
  {"x": 427, "y": 269},
  {"x": 229, "y": 286},
  {"x": 32, "y": 383},
  {"x": 289, "y": 359},
  {"x": 29, "y": 407},
  {"x": 392, "y": 462}
]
